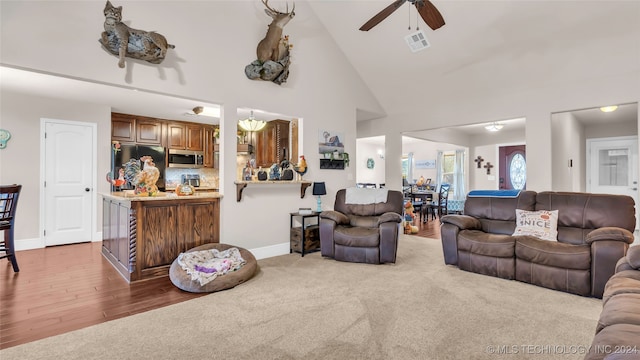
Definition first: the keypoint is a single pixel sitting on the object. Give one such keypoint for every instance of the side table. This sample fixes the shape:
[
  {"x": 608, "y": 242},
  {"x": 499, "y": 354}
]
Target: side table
[{"x": 306, "y": 237}]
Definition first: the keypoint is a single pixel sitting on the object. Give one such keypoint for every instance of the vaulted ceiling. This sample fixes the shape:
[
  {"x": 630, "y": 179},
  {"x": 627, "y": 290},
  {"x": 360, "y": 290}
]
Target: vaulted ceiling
[{"x": 485, "y": 46}]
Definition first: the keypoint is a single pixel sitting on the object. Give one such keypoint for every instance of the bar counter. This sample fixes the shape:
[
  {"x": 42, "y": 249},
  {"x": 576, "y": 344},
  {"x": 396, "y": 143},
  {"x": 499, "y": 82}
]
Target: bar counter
[{"x": 142, "y": 235}]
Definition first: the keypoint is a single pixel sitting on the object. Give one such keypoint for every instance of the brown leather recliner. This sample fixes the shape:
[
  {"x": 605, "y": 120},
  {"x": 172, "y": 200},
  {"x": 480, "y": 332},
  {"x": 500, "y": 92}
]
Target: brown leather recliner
[{"x": 366, "y": 233}]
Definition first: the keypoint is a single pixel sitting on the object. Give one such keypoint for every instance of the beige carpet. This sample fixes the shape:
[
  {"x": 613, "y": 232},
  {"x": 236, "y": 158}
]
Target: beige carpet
[{"x": 317, "y": 308}]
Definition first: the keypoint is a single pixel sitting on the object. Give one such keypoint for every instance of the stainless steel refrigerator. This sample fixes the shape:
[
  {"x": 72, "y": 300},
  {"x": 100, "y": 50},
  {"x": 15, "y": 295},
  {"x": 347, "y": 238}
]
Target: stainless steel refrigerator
[{"x": 128, "y": 152}]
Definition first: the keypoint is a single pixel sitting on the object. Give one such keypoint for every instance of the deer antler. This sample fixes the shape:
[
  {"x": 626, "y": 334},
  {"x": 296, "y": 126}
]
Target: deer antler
[{"x": 266, "y": 4}]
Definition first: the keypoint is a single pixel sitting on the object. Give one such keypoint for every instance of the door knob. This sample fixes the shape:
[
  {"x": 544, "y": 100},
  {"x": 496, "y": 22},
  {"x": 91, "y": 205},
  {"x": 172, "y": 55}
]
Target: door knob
[{"x": 87, "y": 189}]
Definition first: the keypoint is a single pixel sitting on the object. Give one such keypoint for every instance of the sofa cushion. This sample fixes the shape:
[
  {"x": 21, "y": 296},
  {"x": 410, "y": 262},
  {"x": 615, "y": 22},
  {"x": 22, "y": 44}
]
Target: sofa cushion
[
  {"x": 542, "y": 224},
  {"x": 620, "y": 309},
  {"x": 479, "y": 242},
  {"x": 556, "y": 254},
  {"x": 615, "y": 337},
  {"x": 623, "y": 282},
  {"x": 356, "y": 236}
]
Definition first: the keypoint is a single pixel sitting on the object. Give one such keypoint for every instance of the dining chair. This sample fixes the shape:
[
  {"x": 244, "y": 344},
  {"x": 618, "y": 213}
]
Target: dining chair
[
  {"x": 440, "y": 205},
  {"x": 8, "y": 201}
]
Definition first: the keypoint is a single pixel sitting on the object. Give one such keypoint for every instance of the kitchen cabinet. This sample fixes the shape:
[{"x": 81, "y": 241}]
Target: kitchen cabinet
[
  {"x": 123, "y": 128},
  {"x": 148, "y": 131},
  {"x": 185, "y": 136},
  {"x": 269, "y": 143},
  {"x": 142, "y": 236},
  {"x": 209, "y": 147}
]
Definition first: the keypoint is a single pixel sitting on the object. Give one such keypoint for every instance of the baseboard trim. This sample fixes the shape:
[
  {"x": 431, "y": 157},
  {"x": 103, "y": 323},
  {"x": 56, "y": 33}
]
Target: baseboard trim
[
  {"x": 270, "y": 251},
  {"x": 29, "y": 244},
  {"x": 260, "y": 253}
]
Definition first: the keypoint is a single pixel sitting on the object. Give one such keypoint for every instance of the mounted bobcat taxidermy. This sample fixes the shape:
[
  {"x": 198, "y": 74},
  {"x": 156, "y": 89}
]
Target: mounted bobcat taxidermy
[
  {"x": 273, "y": 51},
  {"x": 121, "y": 40}
]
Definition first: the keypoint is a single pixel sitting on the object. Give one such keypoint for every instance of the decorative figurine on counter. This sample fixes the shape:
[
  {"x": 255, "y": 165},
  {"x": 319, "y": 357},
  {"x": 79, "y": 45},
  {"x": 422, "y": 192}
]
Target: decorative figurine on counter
[
  {"x": 301, "y": 167},
  {"x": 142, "y": 178},
  {"x": 274, "y": 172},
  {"x": 116, "y": 182},
  {"x": 121, "y": 40},
  {"x": 262, "y": 175}
]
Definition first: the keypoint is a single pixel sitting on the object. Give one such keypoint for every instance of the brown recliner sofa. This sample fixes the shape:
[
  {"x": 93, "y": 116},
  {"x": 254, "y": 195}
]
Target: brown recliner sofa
[
  {"x": 618, "y": 330},
  {"x": 594, "y": 231},
  {"x": 366, "y": 233}
]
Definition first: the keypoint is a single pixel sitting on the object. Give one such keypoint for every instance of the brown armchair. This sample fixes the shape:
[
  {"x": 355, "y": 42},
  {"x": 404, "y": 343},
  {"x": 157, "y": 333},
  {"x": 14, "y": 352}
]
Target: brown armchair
[{"x": 366, "y": 233}]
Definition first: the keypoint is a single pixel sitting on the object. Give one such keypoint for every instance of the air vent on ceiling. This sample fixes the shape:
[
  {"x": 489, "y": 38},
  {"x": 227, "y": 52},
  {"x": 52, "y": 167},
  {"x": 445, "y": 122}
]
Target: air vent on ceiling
[{"x": 417, "y": 41}]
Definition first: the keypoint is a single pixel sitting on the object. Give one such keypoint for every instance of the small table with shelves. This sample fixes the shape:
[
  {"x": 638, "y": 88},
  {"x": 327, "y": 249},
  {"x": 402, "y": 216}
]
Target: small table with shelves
[{"x": 306, "y": 237}]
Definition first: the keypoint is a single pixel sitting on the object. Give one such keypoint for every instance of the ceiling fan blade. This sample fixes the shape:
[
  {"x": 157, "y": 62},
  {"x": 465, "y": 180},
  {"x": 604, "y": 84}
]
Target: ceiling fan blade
[
  {"x": 382, "y": 15},
  {"x": 430, "y": 14}
]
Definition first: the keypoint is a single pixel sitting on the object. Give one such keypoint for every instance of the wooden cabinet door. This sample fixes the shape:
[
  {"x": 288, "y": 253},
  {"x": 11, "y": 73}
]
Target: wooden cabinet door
[
  {"x": 148, "y": 131},
  {"x": 123, "y": 128},
  {"x": 209, "y": 145},
  {"x": 176, "y": 136},
  {"x": 269, "y": 143},
  {"x": 194, "y": 137}
]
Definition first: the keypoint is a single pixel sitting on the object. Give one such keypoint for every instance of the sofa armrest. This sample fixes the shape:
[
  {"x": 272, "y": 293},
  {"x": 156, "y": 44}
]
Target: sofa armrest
[
  {"x": 464, "y": 222},
  {"x": 611, "y": 234},
  {"x": 389, "y": 217},
  {"x": 338, "y": 217},
  {"x": 633, "y": 257}
]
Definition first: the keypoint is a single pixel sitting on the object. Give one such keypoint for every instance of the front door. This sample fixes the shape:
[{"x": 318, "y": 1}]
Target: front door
[
  {"x": 68, "y": 195},
  {"x": 612, "y": 166},
  {"x": 512, "y": 167}
]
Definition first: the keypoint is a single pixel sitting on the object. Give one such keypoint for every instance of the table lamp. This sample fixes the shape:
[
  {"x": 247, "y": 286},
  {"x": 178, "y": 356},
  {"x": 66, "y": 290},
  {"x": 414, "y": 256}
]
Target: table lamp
[{"x": 318, "y": 190}]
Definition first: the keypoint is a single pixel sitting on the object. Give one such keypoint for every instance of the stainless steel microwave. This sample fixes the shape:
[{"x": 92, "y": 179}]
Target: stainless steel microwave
[{"x": 186, "y": 159}]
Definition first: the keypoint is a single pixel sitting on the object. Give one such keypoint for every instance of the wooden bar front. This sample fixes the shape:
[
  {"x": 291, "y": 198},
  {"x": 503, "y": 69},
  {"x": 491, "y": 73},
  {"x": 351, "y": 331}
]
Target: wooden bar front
[{"x": 142, "y": 236}]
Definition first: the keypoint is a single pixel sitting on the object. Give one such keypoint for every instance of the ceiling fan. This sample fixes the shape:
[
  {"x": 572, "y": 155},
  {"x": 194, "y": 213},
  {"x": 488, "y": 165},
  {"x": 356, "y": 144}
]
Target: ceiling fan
[{"x": 426, "y": 9}]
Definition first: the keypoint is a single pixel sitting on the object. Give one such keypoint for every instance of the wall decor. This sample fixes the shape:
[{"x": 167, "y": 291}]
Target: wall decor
[
  {"x": 123, "y": 41},
  {"x": 479, "y": 161},
  {"x": 488, "y": 166},
  {"x": 272, "y": 63},
  {"x": 425, "y": 164},
  {"x": 370, "y": 163},
  {"x": 329, "y": 142},
  {"x": 5, "y": 135}
]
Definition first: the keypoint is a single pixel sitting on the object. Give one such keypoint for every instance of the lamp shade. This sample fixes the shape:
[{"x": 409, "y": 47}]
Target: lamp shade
[
  {"x": 251, "y": 124},
  {"x": 319, "y": 188}
]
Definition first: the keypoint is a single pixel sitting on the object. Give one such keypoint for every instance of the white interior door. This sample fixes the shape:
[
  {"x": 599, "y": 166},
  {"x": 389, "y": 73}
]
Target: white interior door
[
  {"x": 613, "y": 167},
  {"x": 69, "y": 180}
]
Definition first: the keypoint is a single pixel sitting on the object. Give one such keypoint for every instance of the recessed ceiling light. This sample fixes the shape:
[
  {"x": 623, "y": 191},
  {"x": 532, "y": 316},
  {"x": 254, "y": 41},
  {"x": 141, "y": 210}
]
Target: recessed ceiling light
[{"x": 609, "y": 108}]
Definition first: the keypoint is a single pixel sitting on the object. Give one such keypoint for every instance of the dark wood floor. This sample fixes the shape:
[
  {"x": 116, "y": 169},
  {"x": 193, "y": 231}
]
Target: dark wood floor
[{"x": 65, "y": 288}]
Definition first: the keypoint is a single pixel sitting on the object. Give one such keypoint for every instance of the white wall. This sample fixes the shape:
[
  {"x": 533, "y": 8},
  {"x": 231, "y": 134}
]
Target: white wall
[
  {"x": 364, "y": 152},
  {"x": 20, "y": 160},
  {"x": 214, "y": 42}
]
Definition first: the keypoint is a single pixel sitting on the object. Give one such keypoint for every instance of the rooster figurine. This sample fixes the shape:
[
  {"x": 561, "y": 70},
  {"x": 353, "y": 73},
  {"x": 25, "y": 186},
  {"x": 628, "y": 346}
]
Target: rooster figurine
[
  {"x": 301, "y": 167},
  {"x": 143, "y": 178},
  {"x": 119, "y": 181}
]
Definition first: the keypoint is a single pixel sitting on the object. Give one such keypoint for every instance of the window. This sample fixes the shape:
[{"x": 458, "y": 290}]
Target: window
[
  {"x": 448, "y": 169},
  {"x": 518, "y": 172},
  {"x": 405, "y": 167}
]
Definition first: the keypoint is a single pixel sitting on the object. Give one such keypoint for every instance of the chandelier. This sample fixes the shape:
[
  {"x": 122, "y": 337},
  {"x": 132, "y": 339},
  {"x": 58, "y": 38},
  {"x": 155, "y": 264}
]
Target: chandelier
[{"x": 251, "y": 124}]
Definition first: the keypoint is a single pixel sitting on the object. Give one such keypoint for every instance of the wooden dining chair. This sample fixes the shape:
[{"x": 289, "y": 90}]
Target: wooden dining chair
[
  {"x": 440, "y": 205},
  {"x": 8, "y": 201}
]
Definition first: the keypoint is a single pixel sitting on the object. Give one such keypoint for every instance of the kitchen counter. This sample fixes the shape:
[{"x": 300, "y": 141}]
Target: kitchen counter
[
  {"x": 143, "y": 235},
  {"x": 169, "y": 195},
  {"x": 199, "y": 188}
]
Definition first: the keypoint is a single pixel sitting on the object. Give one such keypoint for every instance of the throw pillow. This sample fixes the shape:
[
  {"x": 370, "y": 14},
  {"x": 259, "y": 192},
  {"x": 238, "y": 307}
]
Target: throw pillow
[{"x": 542, "y": 224}]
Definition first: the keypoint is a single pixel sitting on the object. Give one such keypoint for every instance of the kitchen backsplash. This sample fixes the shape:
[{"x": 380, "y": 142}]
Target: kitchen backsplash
[{"x": 208, "y": 177}]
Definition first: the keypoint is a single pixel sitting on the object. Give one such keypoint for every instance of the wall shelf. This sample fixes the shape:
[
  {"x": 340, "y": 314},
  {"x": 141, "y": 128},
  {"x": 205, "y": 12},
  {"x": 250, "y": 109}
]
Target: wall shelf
[
  {"x": 241, "y": 185},
  {"x": 331, "y": 164}
]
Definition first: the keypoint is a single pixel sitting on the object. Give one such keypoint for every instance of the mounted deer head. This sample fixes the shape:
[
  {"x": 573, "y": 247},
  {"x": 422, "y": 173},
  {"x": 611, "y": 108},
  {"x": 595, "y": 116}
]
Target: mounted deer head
[{"x": 274, "y": 47}]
